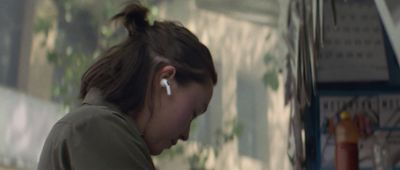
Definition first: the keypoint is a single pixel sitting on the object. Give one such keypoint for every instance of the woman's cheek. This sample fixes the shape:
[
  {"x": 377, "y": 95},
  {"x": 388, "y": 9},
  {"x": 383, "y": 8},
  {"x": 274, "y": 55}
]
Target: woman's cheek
[
  {"x": 185, "y": 115},
  {"x": 185, "y": 118}
]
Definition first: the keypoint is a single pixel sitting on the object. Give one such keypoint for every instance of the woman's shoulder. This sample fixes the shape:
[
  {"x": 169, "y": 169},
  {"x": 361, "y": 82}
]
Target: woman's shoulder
[
  {"x": 98, "y": 130},
  {"x": 94, "y": 117},
  {"x": 85, "y": 113}
]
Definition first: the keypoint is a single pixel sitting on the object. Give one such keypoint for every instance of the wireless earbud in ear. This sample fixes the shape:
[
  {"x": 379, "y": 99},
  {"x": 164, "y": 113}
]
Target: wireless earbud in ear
[{"x": 164, "y": 83}]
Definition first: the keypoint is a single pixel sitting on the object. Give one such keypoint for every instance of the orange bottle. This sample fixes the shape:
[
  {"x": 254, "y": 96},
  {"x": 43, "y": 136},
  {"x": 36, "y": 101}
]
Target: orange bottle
[{"x": 346, "y": 143}]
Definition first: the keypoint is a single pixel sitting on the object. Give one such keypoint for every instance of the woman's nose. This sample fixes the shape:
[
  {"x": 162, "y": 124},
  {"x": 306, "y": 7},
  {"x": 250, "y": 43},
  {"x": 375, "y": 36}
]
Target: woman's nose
[{"x": 184, "y": 137}]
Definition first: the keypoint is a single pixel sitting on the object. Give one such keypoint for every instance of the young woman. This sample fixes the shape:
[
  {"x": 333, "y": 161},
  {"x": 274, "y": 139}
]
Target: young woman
[{"x": 138, "y": 99}]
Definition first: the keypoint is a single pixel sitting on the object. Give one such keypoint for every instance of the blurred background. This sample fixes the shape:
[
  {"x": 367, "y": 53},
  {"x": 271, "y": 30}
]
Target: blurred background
[
  {"x": 286, "y": 69},
  {"x": 46, "y": 45}
]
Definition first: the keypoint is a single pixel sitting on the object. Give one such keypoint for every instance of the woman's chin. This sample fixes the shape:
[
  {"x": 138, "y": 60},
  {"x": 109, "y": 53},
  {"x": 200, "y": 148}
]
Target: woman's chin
[{"x": 156, "y": 151}]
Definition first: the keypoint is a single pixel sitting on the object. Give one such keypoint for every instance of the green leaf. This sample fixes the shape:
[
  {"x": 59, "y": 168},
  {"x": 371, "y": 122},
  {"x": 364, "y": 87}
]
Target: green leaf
[
  {"x": 109, "y": 10},
  {"x": 106, "y": 31},
  {"x": 268, "y": 58},
  {"x": 271, "y": 80},
  {"x": 52, "y": 57},
  {"x": 42, "y": 25},
  {"x": 153, "y": 14},
  {"x": 238, "y": 129}
]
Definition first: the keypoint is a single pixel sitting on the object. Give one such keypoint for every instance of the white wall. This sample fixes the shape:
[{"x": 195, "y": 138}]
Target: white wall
[{"x": 25, "y": 122}]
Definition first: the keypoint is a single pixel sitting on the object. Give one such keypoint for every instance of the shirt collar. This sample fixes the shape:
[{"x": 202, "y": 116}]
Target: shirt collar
[{"x": 95, "y": 97}]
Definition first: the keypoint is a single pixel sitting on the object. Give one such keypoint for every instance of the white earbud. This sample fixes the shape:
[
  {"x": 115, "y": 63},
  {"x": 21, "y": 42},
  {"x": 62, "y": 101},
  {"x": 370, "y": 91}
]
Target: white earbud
[{"x": 164, "y": 83}]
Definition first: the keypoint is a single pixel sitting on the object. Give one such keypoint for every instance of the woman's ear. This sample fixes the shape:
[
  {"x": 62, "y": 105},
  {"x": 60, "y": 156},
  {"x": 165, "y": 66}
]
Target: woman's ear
[
  {"x": 166, "y": 77},
  {"x": 167, "y": 72}
]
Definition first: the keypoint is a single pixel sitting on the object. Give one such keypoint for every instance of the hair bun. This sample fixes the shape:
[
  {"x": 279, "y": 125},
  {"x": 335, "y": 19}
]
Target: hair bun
[{"x": 133, "y": 17}]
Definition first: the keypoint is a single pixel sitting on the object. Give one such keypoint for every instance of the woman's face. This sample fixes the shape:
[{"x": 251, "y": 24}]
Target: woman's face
[{"x": 172, "y": 115}]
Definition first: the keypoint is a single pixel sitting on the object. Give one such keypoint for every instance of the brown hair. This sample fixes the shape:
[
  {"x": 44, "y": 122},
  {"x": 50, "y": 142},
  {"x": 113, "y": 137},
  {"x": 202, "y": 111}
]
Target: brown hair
[{"x": 124, "y": 72}]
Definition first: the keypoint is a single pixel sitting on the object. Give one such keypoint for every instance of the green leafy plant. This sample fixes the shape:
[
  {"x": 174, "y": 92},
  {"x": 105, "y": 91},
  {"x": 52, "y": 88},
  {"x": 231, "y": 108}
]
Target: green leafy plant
[
  {"x": 83, "y": 32},
  {"x": 274, "y": 68}
]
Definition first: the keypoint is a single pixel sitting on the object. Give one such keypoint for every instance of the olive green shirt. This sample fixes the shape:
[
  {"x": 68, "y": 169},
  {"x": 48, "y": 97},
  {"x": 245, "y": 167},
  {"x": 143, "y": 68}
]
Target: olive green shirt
[{"x": 95, "y": 136}]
